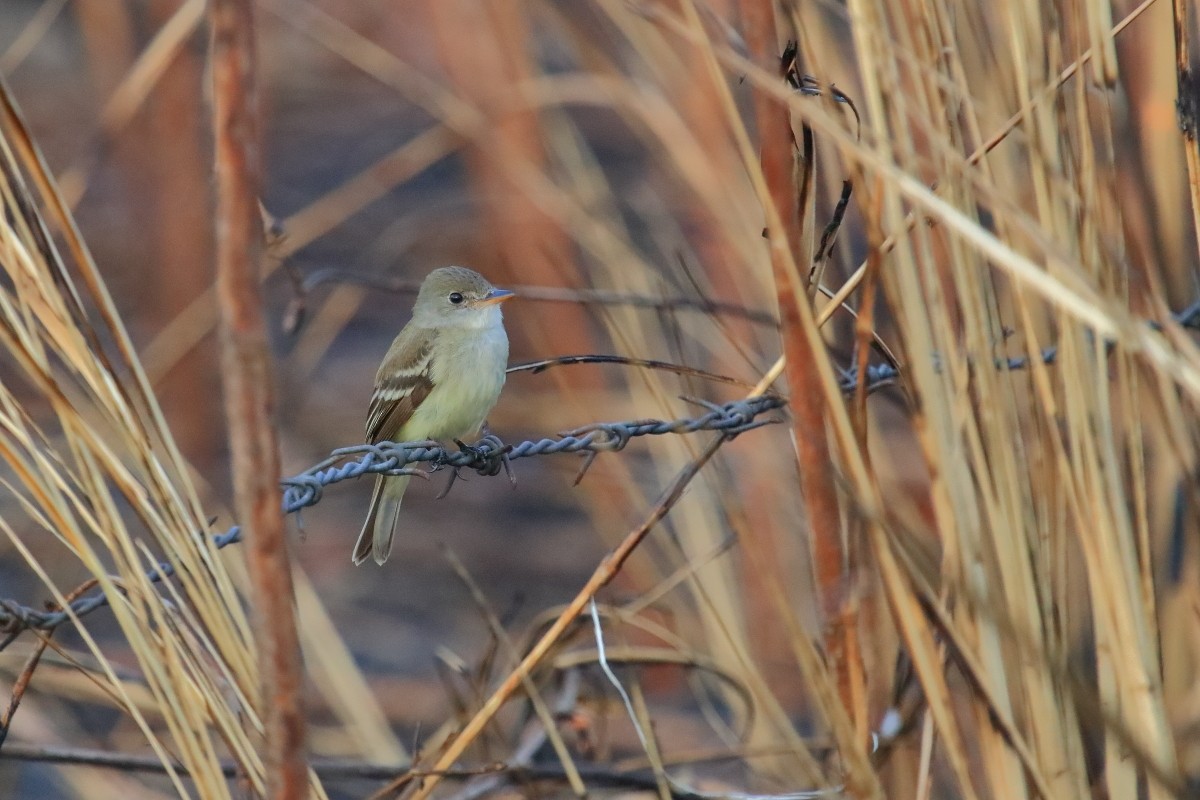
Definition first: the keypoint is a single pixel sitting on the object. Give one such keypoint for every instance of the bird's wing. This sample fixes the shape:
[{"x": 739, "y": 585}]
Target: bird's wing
[{"x": 404, "y": 380}]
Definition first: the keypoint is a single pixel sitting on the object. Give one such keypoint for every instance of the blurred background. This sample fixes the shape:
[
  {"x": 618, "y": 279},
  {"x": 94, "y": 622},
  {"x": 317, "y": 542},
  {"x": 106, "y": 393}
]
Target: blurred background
[{"x": 592, "y": 146}]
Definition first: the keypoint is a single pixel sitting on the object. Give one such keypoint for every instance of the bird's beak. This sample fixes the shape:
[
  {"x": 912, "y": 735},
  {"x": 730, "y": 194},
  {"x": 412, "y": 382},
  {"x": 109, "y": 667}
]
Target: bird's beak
[{"x": 493, "y": 297}]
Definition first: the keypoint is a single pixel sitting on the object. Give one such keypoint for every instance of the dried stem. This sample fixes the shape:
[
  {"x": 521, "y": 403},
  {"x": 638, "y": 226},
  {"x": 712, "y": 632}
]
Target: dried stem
[
  {"x": 245, "y": 365},
  {"x": 802, "y": 374}
]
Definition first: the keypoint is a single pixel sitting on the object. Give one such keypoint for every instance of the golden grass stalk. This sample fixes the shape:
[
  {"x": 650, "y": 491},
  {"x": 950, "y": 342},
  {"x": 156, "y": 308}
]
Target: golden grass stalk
[{"x": 93, "y": 466}]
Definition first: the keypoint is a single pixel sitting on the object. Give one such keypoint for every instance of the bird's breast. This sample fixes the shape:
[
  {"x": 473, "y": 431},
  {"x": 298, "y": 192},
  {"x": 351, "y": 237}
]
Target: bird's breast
[{"x": 468, "y": 375}]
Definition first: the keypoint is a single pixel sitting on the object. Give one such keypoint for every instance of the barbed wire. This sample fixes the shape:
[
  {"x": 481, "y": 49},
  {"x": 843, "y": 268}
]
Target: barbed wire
[
  {"x": 489, "y": 457},
  {"x": 486, "y": 457}
]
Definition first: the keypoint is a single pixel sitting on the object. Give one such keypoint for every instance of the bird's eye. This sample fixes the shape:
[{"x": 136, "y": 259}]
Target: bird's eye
[{"x": 456, "y": 298}]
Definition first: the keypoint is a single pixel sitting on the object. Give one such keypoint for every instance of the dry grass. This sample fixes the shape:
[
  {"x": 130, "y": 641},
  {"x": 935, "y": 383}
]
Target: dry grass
[
  {"x": 978, "y": 583},
  {"x": 100, "y": 472}
]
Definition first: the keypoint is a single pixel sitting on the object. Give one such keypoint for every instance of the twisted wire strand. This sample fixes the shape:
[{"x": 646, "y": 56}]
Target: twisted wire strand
[{"x": 487, "y": 456}]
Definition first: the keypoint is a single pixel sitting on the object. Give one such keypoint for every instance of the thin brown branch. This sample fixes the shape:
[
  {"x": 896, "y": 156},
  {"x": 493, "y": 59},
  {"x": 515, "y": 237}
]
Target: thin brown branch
[
  {"x": 30, "y": 36},
  {"x": 800, "y": 351},
  {"x": 249, "y": 402}
]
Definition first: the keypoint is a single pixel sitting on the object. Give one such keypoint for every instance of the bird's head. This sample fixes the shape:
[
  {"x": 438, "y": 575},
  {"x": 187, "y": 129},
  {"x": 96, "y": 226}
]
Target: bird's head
[{"x": 459, "y": 296}]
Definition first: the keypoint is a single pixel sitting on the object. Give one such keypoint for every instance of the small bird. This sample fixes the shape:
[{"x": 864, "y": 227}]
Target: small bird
[{"x": 439, "y": 380}]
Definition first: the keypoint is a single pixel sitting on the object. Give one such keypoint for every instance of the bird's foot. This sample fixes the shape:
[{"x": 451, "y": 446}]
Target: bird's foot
[{"x": 476, "y": 452}]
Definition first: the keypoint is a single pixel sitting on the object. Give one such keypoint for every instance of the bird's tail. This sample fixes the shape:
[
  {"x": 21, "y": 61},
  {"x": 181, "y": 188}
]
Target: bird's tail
[{"x": 376, "y": 537}]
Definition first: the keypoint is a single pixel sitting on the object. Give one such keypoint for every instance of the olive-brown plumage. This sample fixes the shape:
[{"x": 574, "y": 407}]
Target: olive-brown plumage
[{"x": 439, "y": 380}]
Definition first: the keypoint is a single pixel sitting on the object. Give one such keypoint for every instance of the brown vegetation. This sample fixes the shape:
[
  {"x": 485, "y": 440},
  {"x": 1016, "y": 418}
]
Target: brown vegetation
[{"x": 978, "y": 580}]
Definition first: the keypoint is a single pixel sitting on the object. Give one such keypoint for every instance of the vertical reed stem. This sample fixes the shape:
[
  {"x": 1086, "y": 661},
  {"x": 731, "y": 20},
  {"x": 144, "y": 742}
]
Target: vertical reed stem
[{"x": 246, "y": 369}]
